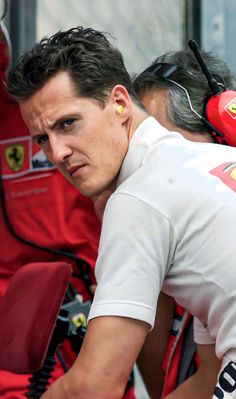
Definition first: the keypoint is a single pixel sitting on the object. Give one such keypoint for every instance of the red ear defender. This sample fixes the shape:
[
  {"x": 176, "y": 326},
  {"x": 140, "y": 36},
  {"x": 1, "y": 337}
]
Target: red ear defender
[{"x": 220, "y": 109}]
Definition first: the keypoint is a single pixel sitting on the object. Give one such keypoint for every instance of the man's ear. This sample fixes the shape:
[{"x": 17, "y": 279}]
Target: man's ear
[{"x": 122, "y": 102}]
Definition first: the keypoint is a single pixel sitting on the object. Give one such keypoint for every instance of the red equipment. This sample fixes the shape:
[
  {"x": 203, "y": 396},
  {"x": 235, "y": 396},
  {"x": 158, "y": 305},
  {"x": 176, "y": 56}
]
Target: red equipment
[{"x": 220, "y": 108}]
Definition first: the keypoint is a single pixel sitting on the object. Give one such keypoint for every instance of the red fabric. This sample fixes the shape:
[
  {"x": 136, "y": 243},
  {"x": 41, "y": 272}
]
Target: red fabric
[
  {"x": 5, "y": 48},
  {"x": 171, "y": 370},
  {"x": 172, "y": 376},
  {"x": 130, "y": 394},
  {"x": 28, "y": 312}
]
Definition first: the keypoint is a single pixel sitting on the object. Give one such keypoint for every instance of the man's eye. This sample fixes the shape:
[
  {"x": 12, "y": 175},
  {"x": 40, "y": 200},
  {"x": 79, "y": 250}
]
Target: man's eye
[
  {"x": 68, "y": 122},
  {"x": 40, "y": 140}
]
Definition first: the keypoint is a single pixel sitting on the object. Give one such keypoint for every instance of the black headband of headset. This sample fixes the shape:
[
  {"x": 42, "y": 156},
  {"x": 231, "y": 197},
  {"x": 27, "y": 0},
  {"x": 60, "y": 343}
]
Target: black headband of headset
[{"x": 163, "y": 70}]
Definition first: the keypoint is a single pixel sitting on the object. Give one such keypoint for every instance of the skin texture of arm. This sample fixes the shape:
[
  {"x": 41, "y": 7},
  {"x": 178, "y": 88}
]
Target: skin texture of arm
[
  {"x": 202, "y": 383},
  {"x": 107, "y": 356},
  {"x": 151, "y": 357}
]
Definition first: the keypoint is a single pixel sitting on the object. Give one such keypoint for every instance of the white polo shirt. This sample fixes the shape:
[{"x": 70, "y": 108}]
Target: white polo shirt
[{"x": 171, "y": 225}]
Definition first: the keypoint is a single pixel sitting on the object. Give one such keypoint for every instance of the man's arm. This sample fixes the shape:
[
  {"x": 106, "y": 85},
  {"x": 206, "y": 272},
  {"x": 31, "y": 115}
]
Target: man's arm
[
  {"x": 150, "y": 360},
  {"x": 103, "y": 366},
  {"x": 202, "y": 383}
]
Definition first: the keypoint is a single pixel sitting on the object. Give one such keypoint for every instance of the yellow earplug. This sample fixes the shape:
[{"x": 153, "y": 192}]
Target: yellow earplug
[{"x": 119, "y": 109}]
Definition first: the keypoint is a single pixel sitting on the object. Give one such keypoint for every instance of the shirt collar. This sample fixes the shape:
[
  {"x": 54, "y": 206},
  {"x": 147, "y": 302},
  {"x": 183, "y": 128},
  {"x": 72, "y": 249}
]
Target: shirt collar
[{"x": 148, "y": 133}]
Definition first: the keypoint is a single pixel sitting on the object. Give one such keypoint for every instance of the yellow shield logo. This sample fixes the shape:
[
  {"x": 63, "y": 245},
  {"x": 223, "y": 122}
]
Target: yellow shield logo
[
  {"x": 15, "y": 155},
  {"x": 232, "y": 108}
]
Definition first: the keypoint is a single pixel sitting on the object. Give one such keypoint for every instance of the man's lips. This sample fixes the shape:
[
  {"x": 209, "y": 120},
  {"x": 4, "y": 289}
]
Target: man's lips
[{"x": 75, "y": 170}]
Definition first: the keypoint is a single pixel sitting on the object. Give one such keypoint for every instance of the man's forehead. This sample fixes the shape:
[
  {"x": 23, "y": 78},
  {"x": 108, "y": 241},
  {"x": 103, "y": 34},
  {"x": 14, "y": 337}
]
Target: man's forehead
[
  {"x": 56, "y": 90},
  {"x": 59, "y": 85}
]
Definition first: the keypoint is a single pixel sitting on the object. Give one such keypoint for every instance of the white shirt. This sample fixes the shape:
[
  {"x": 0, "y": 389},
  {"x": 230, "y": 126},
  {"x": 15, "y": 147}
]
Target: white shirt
[{"x": 171, "y": 225}]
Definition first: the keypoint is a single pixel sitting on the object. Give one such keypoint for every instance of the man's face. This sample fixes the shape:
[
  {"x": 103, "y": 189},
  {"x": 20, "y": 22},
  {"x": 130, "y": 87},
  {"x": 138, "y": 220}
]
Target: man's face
[{"x": 85, "y": 142}]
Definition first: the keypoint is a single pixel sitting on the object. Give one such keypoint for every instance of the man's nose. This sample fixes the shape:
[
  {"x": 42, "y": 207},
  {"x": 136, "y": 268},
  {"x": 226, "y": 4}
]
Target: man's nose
[{"x": 60, "y": 150}]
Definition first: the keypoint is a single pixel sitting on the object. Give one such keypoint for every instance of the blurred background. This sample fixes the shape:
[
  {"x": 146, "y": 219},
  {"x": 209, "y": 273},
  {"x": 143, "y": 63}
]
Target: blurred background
[{"x": 141, "y": 29}]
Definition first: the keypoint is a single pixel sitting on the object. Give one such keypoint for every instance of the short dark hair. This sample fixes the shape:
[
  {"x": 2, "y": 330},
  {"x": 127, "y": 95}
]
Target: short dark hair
[
  {"x": 94, "y": 65},
  {"x": 191, "y": 77}
]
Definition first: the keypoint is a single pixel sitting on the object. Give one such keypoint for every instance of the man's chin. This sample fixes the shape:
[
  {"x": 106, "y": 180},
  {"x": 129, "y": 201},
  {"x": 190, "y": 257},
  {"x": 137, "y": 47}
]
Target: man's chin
[
  {"x": 87, "y": 191},
  {"x": 92, "y": 190}
]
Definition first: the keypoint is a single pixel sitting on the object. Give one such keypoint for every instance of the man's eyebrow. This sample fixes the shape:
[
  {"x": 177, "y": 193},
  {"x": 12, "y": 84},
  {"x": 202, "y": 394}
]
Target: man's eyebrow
[
  {"x": 63, "y": 119},
  {"x": 57, "y": 122}
]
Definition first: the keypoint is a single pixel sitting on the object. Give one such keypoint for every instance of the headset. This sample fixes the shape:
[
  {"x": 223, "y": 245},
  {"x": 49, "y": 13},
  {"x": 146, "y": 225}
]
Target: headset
[{"x": 220, "y": 108}]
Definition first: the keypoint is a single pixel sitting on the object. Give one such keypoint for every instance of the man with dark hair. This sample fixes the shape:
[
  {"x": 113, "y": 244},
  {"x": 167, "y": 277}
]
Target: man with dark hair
[
  {"x": 177, "y": 101},
  {"x": 159, "y": 226}
]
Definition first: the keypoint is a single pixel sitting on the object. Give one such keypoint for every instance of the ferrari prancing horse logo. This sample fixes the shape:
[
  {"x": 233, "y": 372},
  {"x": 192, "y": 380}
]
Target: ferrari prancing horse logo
[{"x": 15, "y": 155}]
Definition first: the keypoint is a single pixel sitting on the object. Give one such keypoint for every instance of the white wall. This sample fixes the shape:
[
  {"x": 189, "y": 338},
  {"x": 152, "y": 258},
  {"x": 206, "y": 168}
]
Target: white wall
[{"x": 144, "y": 29}]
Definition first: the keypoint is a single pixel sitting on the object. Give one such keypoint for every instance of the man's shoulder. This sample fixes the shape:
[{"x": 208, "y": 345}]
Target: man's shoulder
[{"x": 182, "y": 171}]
